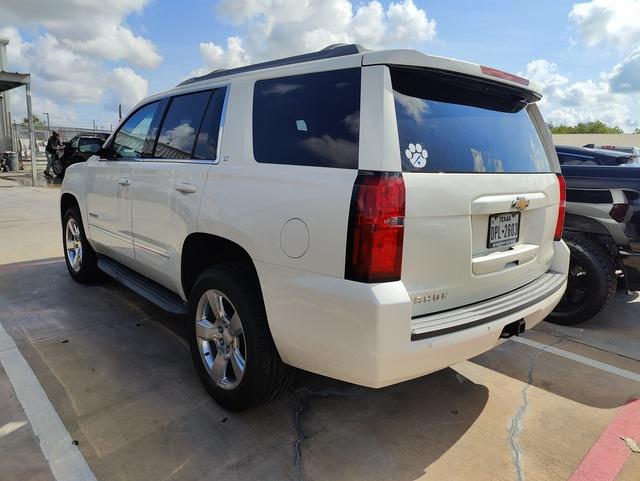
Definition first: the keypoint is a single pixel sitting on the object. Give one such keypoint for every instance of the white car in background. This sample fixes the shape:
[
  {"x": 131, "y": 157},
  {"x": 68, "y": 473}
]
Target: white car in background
[{"x": 372, "y": 216}]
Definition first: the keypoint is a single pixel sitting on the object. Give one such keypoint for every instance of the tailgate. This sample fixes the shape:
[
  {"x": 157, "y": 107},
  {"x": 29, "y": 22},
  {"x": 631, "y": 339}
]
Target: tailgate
[
  {"x": 447, "y": 261},
  {"x": 481, "y": 193}
]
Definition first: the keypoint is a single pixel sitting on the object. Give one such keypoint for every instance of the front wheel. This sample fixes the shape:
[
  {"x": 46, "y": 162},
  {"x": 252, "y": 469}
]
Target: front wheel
[
  {"x": 81, "y": 260},
  {"x": 591, "y": 283},
  {"x": 231, "y": 345}
]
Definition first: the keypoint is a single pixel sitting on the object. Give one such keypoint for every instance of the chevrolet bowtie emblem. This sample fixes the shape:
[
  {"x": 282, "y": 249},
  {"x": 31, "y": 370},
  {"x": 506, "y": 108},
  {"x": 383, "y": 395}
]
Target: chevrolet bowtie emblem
[{"x": 520, "y": 203}]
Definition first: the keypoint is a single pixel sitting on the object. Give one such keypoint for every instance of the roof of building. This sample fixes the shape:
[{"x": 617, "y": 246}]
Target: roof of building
[{"x": 11, "y": 80}]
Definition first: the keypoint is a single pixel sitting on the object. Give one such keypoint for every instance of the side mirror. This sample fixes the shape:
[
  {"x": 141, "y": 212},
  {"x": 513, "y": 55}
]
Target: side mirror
[{"x": 106, "y": 153}]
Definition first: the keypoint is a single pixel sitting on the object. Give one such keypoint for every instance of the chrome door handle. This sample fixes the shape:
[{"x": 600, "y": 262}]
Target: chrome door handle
[
  {"x": 124, "y": 181},
  {"x": 186, "y": 188}
]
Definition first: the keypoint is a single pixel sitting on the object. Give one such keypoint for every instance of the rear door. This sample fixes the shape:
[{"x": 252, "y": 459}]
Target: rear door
[
  {"x": 167, "y": 188},
  {"x": 481, "y": 193}
]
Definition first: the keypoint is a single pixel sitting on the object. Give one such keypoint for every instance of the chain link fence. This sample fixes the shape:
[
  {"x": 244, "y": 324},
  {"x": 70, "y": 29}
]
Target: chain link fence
[{"x": 42, "y": 134}]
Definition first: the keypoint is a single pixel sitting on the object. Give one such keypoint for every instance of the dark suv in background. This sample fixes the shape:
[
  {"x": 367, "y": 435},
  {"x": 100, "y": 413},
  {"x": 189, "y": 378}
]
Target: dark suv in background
[
  {"x": 78, "y": 149},
  {"x": 602, "y": 230},
  {"x": 569, "y": 155}
]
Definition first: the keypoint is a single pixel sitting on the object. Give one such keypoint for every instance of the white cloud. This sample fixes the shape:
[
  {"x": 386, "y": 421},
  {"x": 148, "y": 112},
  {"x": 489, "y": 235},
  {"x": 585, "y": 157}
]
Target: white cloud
[
  {"x": 87, "y": 27},
  {"x": 66, "y": 54},
  {"x": 128, "y": 87},
  {"x": 409, "y": 23},
  {"x": 279, "y": 28},
  {"x": 39, "y": 105},
  {"x": 608, "y": 22},
  {"x": 215, "y": 56},
  {"x": 625, "y": 76},
  {"x": 568, "y": 103},
  {"x": 115, "y": 42}
]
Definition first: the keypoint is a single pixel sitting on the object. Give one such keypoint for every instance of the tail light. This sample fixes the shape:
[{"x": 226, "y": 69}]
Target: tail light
[
  {"x": 562, "y": 207},
  {"x": 619, "y": 211},
  {"x": 376, "y": 228},
  {"x": 494, "y": 72}
]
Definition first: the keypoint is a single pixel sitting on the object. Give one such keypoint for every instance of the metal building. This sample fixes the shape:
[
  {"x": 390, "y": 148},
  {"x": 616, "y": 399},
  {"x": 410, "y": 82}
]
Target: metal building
[{"x": 9, "y": 81}]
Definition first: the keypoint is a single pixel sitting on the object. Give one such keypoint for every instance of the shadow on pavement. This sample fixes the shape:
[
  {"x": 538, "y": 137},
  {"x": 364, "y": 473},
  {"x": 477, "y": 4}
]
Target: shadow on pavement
[
  {"x": 587, "y": 385},
  {"x": 119, "y": 373}
]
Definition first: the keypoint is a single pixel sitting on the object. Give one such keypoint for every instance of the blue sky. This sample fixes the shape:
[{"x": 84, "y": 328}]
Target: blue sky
[{"x": 586, "y": 54}]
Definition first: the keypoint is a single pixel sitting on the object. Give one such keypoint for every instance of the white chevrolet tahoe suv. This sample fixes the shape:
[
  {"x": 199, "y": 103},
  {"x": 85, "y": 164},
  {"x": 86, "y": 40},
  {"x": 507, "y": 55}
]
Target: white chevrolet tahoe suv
[{"x": 372, "y": 216}]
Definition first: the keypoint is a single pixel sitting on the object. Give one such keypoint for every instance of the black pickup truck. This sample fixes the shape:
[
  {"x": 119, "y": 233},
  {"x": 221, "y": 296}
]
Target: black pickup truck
[{"x": 602, "y": 229}]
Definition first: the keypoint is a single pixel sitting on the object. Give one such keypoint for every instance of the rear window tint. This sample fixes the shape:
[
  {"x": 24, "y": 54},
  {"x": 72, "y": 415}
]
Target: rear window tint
[
  {"x": 207, "y": 143},
  {"x": 448, "y": 126},
  {"x": 180, "y": 126},
  {"x": 311, "y": 119}
]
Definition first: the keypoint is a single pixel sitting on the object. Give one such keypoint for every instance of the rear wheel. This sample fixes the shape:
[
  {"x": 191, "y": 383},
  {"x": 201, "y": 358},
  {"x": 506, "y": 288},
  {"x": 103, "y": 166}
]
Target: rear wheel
[
  {"x": 591, "y": 282},
  {"x": 81, "y": 259},
  {"x": 231, "y": 344}
]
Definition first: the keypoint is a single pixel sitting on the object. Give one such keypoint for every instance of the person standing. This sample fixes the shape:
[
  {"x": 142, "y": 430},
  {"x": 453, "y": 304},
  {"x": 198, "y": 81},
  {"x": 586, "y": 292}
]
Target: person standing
[{"x": 51, "y": 150}]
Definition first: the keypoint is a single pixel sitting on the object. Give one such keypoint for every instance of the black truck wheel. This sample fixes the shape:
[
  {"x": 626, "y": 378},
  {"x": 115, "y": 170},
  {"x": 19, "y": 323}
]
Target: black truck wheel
[
  {"x": 591, "y": 285},
  {"x": 58, "y": 168}
]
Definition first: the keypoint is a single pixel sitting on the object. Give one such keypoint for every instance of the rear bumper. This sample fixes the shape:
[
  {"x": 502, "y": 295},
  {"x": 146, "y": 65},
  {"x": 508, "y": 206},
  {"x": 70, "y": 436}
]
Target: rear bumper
[{"x": 362, "y": 333}]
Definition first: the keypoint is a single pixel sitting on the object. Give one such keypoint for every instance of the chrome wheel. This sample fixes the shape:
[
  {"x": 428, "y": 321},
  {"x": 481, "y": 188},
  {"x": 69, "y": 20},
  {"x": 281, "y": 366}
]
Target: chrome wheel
[
  {"x": 220, "y": 339},
  {"x": 73, "y": 244}
]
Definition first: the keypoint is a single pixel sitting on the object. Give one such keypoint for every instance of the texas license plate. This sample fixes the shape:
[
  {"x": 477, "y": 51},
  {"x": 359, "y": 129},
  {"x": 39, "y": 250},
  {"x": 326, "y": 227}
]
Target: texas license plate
[{"x": 504, "y": 229}]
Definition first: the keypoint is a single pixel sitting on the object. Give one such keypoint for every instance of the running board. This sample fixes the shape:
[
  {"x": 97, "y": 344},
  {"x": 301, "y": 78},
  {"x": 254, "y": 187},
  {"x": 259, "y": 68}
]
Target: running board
[{"x": 144, "y": 287}]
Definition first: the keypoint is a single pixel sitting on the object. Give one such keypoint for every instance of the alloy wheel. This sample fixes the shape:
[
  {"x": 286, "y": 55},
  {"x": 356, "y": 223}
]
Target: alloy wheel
[
  {"x": 221, "y": 339},
  {"x": 73, "y": 244}
]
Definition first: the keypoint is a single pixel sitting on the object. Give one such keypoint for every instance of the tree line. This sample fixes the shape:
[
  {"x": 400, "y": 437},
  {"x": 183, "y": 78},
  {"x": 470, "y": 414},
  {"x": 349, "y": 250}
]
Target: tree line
[{"x": 595, "y": 127}]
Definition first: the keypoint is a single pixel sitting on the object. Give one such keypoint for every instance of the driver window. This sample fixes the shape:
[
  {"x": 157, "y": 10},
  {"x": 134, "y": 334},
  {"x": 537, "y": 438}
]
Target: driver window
[{"x": 132, "y": 140}]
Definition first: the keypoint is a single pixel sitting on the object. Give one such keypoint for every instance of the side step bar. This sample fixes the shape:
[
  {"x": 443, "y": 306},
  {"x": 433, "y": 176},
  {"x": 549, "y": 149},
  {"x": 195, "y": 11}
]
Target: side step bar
[{"x": 150, "y": 290}]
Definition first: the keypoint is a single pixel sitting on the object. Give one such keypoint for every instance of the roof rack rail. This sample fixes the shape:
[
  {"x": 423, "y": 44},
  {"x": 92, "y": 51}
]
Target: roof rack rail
[{"x": 335, "y": 50}]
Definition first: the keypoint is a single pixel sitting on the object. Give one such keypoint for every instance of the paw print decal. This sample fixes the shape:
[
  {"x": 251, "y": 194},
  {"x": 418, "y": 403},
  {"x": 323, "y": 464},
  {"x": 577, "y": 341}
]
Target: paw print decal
[{"x": 416, "y": 155}]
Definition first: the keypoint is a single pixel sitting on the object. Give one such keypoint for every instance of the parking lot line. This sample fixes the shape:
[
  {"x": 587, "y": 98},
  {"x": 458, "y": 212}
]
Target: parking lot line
[
  {"x": 65, "y": 459},
  {"x": 606, "y": 457},
  {"x": 581, "y": 359}
]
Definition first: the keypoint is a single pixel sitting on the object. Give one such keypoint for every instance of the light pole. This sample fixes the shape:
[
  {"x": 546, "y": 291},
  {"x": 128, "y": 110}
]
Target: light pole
[{"x": 48, "y": 123}]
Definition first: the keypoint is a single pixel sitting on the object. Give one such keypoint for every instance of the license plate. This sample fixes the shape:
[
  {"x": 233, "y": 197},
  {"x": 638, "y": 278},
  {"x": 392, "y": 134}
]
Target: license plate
[{"x": 504, "y": 229}]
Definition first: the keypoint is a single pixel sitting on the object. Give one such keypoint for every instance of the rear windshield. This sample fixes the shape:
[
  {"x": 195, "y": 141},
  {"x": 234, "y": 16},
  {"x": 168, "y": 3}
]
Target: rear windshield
[{"x": 453, "y": 124}]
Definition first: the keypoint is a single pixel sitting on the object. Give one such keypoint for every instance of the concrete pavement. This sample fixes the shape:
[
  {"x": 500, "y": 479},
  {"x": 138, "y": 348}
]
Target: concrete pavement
[{"x": 118, "y": 372}]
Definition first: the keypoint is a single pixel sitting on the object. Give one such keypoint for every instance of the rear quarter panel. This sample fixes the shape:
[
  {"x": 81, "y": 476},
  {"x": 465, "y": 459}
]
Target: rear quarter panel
[{"x": 250, "y": 203}]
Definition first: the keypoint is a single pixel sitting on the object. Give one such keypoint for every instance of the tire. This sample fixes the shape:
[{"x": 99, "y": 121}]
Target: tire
[
  {"x": 57, "y": 168},
  {"x": 238, "y": 331},
  {"x": 81, "y": 259},
  {"x": 592, "y": 282}
]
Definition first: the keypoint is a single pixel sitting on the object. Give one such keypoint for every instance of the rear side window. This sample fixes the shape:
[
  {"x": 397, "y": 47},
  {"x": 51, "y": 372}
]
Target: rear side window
[
  {"x": 453, "y": 124},
  {"x": 132, "y": 140},
  {"x": 207, "y": 143},
  {"x": 311, "y": 119},
  {"x": 180, "y": 126}
]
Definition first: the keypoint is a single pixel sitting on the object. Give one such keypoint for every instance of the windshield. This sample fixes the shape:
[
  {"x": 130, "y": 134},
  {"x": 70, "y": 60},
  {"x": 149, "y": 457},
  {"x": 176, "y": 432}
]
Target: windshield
[{"x": 448, "y": 127}]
